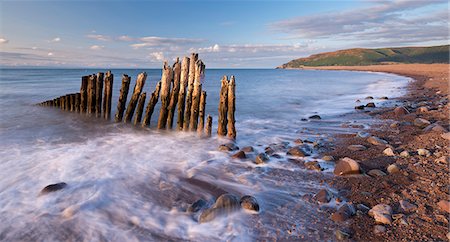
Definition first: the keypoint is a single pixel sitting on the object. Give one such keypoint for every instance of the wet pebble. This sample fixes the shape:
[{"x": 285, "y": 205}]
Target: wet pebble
[
  {"x": 404, "y": 154},
  {"x": 249, "y": 203},
  {"x": 248, "y": 149},
  {"x": 356, "y": 147},
  {"x": 423, "y": 152},
  {"x": 323, "y": 196},
  {"x": 388, "y": 152},
  {"x": 313, "y": 165},
  {"x": 328, "y": 158},
  {"x": 370, "y": 105},
  {"x": 376, "y": 173},
  {"x": 343, "y": 213},
  {"x": 261, "y": 158},
  {"x": 382, "y": 213},
  {"x": 399, "y": 111},
  {"x": 315, "y": 117},
  {"x": 407, "y": 207},
  {"x": 53, "y": 188},
  {"x": 239, "y": 155},
  {"x": 224, "y": 205},
  {"x": 341, "y": 234},
  {"x": 421, "y": 123},
  {"x": 228, "y": 147},
  {"x": 298, "y": 151},
  {"x": 393, "y": 168},
  {"x": 376, "y": 141},
  {"x": 196, "y": 206}
]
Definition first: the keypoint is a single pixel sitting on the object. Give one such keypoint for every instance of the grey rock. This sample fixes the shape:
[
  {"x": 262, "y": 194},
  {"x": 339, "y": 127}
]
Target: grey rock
[
  {"x": 196, "y": 206},
  {"x": 356, "y": 147},
  {"x": 315, "y": 117},
  {"x": 343, "y": 213},
  {"x": 228, "y": 147},
  {"x": 421, "y": 123},
  {"x": 407, "y": 207},
  {"x": 225, "y": 204},
  {"x": 376, "y": 173},
  {"x": 376, "y": 141}
]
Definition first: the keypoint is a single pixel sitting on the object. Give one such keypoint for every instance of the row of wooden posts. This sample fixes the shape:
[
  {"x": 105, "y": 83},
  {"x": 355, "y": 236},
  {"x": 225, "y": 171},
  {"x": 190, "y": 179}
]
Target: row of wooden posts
[{"x": 180, "y": 86}]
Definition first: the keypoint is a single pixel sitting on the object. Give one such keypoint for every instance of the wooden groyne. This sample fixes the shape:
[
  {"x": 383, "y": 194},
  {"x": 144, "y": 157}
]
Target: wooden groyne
[{"x": 180, "y": 92}]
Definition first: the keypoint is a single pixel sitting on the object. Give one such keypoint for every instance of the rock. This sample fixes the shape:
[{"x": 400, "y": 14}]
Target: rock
[
  {"x": 248, "y": 149},
  {"x": 376, "y": 173},
  {"x": 421, "y": 123},
  {"x": 382, "y": 213},
  {"x": 225, "y": 204},
  {"x": 323, "y": 196},
  {"x": 363, "y": 208},
  {"x": 444, "y": 205},
  {"x": 388, "y": 152},
  {"x": 369, "y": 97},
  {"x": 298, "y": 141},
  {"x": 446, "y": 136},
  {"x": 404, "y": 154},
  {"x": 328, "y": 158},
  {"x": 228, "y": 147},
  {"x": 356, "y": 147},
  {"x": 376, "y": 141},
  {"x": 362, "y": 134},
  {"x": 343, "y": 213},
  {"x": 313, "y": 165},
  {"x": 239, "y": 155},
  {"x": 341, "y": 235},
  {"x": 360, "y": 107},
  {"x": 261, "y": 158},
  {"x": 422, "y": 110},
  {"x": 423, "y": 152},
  {"x": 249, "y": 203},
  {"x": 379, "y": 229},
  {"x": 442, "y": 160},
  {"x": 269, "y": 150},
  {"x": 407, "y": 207},
  {"x": 196, "y": 206},
  {"x": 435, "y": 128},
  {"x": 276, "y": 156},
  {"x": 370, "y": 105},
  {"x": 400, "y": 111},
  {"x": 346, "y": 166},
  {"x": 53, "y": 188},
  {"x": 299, "y": 151},
  {"x": 315, "y": 117},
  {"x": 384, "y": 98},
  {"x": 393, "y": 168},
  {"x": 394, "y": 125}
]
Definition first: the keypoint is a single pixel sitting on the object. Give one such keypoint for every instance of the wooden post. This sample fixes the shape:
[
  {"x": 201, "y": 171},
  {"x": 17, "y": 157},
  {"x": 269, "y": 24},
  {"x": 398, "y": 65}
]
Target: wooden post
[
  {"x": 91, "y": 94},
  {"x": 151, "y": 105},
  {"x": 201, "y": 123},
  {"x": 174, "y": 93},
  {"x": 67, "y": 105},
  {"x": 196, "y": 93},
  {"x": 72, "y": 102},
  {"x": 223, "y": 107},
  {"x": 187, "y": 112},
  {"x": 140, "y": 82},
  {"x": 62, "y": 102},
  {"x": 208, "y": 127},
  {"x": 122, "y": 97},
  {"x": 166, "y": 79},
  {"x": 182, "y": 93},
  {"x": 140, "y": 108},
  {"x": 109, "y": 79},
  {"x": 231, "y": 108},
  {"x": 98, "y": 94},
  {"x": 83, "y": 94},
  {"x": 77, "y": 102}
]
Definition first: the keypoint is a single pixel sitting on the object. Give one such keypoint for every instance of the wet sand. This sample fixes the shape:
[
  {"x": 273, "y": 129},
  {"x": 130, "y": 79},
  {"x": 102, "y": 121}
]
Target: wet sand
[{"x": 422, "y": 181}]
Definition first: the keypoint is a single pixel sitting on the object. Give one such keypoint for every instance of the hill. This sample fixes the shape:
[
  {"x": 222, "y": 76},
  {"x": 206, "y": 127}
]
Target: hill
[{"x": 360, "y": 56}]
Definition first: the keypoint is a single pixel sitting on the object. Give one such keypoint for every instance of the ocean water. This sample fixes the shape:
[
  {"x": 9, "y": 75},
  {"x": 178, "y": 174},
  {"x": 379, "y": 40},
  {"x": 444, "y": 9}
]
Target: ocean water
[{"x": 128, "y": 183}]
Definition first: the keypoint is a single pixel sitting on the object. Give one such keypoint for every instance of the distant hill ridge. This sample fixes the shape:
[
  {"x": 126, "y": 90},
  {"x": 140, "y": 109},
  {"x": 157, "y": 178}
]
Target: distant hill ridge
[{"x": 360, "y": 56}]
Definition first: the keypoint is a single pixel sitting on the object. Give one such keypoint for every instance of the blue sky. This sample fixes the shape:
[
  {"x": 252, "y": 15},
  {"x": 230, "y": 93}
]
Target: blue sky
[{"x": 231, "y": 34}]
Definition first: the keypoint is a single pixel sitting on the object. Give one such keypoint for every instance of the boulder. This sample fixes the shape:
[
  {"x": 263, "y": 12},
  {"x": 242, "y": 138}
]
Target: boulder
[
  {"x": 370, "y": 105},
  {"x": 388, "y": 152},
  {"x": 356, "y": 147},
  {"x": 225, "y": 204},
  {"x": 228, "y": 147},
  {"x": 343, "y": 213},
  {"x": 248, "y": 149},
  {"x": 239, "y": 155},
  {"x": 346, "y": 166},
  {"x": 53, "y": 188},
  {"x": 407, "y": 207},
  {"x": 261, "y": 158},
  {"x": 400, "y": 111},
  {"x": 376, "y": 141},
  {"x": 249, "y": 203},
  {"x": 196, "y": 206},
  {"x": 313, "y": 165},
  {"x": 299, "y": 151},
  {"x": 421, "y": 123},
  {"x": 315, "y": 117},
  {"x": 323, "y": 196},
  {"x": 393, "y": 168},
  {"x": 382, "y": 213},
  {"x": 435, "y": 128}
]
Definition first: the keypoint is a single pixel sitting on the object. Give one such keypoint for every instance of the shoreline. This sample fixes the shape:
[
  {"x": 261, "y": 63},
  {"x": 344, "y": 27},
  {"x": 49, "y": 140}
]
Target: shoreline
[{"x": 421, "y": 181}]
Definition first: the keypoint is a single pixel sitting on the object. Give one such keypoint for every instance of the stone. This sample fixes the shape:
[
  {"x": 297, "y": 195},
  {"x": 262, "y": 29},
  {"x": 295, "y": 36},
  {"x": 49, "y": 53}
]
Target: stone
[
  {"x": 315, "y": 117},
  {"x": 228, "y": 147},
  {"x": 376, "y": 141},
  {"x": 407, "y": 207},
  {"x": 356, "y": 147},
  {"x": 261, "y": 158},
  {"x": 249, "y": 203},
  {"x": 53, "y": 188},
  {"x": 388, "y": 152},
  {"x": 400, "y": 111},
  {"x": 382, "y": 213},
  {"x": 392, "y": 168},
  {"x": 248, "y": 149},
  {"x": 422, "y": 110},
  {"x": 323, "y": 196},
  {"x": 421, "y": 123},
  {"x": 225, "y": 204},
  {"x": 404, "y": 154},
  {"x": 328, "y": 158},
  {"x": 313, "y": 165},
  {"x": 343, "y": 213},
  {"x": 423, "y": 152},
  {"x": 394, "y": 125},
  {"x": 298, "y": 141},
  {"x": 299, "y": 151},
  {"x": 369, "y": 97},
  {"x": 239, "y": 155},
  {"x": 370, "y": 105},
  {"x": 341, "y": 235},
  {"x": 196, "y": 206},
  {"x": 346, "y": 166},
  {"x": 446, "y": 136},
  {"x": 363, "y": 208},
  {"x": 362, "y": 134},
  {"x": 376, "y": 173},
  {"x": 269, "y": 150},
  {"x": 442, "y": 160},
  {"x": 444, "y": 205},
  {"x": 384, "y": 98},
  {"x": 379, "y": 229},
  {"x": 360, "y": 107}
]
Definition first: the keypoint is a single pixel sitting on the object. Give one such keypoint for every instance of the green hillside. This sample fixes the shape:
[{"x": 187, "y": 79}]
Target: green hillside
[{"x": 359, "y": 57}]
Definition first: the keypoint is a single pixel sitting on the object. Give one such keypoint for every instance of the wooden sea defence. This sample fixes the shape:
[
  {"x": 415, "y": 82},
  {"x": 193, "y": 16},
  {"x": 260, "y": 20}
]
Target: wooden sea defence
[{"x": 179, "y": 91}]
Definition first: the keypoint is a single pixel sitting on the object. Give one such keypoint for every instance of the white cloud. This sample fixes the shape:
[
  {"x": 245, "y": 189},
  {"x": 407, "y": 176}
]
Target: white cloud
[
  {"x": 3, "y": 40},
  {"x": 99, "y": 37},
  {"x": 50, "y": 54},
  {"x": 154, "y": 41},
  {"x": 125, "y": 38},
  {"x": 158, "y": 56},
  {"x": 96, "y": 47},
  {"x": 57, "y": 39}
]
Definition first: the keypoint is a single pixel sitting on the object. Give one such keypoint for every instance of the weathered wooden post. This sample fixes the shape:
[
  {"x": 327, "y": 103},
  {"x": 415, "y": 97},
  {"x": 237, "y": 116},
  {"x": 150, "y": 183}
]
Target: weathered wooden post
[
  {"x": 72, "y": 102},
  {"x": 67, "y": 105},
  {"x": 62, "y": 102},
  {"x": 174, "y": 93},
  {"x": 231, "y": 108},
  {"x": 77, "y": 102},
  {"x": 83, "y": 94},
  {"x": 208, "y": 127},
  {"x": 107, "y": 97},
  {"x": 91, "y": 94},
  {"x": 98, "y": 94},
  {"x": 187, "y": 111},
  {"x": 166, "y": 79},
  {"x": 223, "y": 107},
  {"x": 196, "y": 93},
  {"x": 202, "y": 106},
  {"x": 182, "y": 93},
  {"x": 140, "y": 109},
  {"x": 122, "y": 97},
  {"x": 140, "y": 82},
  {"x": 151, "y": 105}
]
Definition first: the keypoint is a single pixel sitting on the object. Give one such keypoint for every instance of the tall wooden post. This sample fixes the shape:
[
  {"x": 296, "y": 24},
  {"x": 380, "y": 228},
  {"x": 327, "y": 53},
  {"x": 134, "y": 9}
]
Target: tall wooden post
[
  {"x": 83, "y": 94},
  {"x": 140, "y": 82},
  {"x": 122, "y": 97},
  {"x": 91, "y": 94},
  {"x": 208, "y": 128},
  {"x": 187, "y": 111},
  {"x": 182, "y": 93},
  {"x": 231, "y": 108},
  {"x": 67, "y": 105},
  {"x": 196, "y": 93},
  {"x": 98, "y": 94},
  {"x": 140, "y": 109},
  {"x": 151, "y": 105},
  {"x": 166, "y": 79},
  {"x": 72, "y": 102},
  {"x": 107, "y": 97},
  {"x": 62, "y": 101},
  {"x": 202, "y": 106},
  {"x": 77, "y": 102},
  {"x": 223, "y": 107},
  {"x": 174, "y": 93}
]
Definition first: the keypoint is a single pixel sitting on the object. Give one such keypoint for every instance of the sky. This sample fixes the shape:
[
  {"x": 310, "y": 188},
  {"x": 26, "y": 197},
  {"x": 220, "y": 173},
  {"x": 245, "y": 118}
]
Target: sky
[{"x": 226, "y": 34}]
